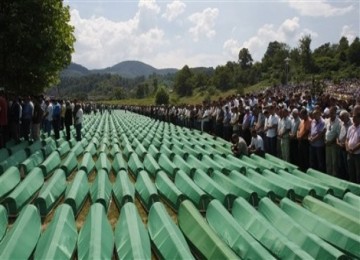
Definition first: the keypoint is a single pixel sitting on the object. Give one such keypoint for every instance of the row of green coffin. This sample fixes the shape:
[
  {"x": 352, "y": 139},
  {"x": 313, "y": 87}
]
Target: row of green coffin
[
  {"x": 277, "y": 230},
  {"x": 94, "y": 241}
]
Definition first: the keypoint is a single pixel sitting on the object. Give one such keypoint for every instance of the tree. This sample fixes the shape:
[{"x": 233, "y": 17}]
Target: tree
[
  {"x": 162, "y": 97},
  {"x": 354, "y": 52},
  {"x": 183, "y": 82},
  {"x": 307, "y": 61},
  {"x": 36, "y": 42},
  {"x": 245, "y": 59}
]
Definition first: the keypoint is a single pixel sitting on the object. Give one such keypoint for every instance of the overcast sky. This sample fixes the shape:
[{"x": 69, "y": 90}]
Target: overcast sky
[{"x": 171, "y": 34}]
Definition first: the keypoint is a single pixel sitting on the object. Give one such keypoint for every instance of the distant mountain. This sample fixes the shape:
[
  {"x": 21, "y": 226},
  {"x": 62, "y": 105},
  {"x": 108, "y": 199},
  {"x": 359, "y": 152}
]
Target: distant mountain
[
  {"x": 75, "y": 70},
  {"x": 126, "y": 69}
]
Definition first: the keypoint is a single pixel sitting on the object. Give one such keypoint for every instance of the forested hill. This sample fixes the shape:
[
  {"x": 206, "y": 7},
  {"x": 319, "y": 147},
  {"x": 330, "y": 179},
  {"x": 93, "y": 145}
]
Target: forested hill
[
  {"x": 127, "y": 78},
  {"x": 126, "y": 69}
]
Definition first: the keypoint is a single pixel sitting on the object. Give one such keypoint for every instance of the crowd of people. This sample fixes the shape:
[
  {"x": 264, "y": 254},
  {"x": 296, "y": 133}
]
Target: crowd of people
[
  {"x": 321, "y": 132},
  {"x": 317, "y": 131},
  {"x": 22, "y": 118}
]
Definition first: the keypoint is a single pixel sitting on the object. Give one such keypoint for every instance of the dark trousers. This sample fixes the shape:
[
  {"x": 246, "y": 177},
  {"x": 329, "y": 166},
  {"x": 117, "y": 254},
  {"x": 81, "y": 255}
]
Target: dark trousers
[
  {"x": 294, "y": 154},
  {"x": 25, "y": 128},
  {"x": 270, "y": 145},
  {"x": 15, "y": 131},
  {"x": 354, "y": 167},
  {"x": 56, "y": 126},
  {"x": 78, "y": 132},
  {"x": 303, "y": 154},
  {"x": 68, "y": 136},
  {"x": 342, "y": 171},
  {"x": 317, "y": 158},
  {"x": 219, "y": 130}
]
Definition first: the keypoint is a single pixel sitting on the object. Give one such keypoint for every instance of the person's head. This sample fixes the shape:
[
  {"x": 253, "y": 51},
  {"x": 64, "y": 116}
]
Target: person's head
[
  {"x": 295, "y": 113},
  {"x": 303, "y": 113},
  {"x": 356, "y": 119},
  {"x": 234, "y": 138},
  {"x": 316, "y": 114},
  {"x": 332, "y": 112},
  {"x": 344, "y": 116},
  {"x": 266, "y": 113}
]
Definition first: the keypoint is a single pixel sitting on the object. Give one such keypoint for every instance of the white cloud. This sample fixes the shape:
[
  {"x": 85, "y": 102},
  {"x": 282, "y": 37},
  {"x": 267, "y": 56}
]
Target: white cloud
[
  {"x": 147, "y": 14},
  {"x": 204, "y": 23},
  {"x": 101, "y": 42},
  {"x": 318, "y": 8},
  {"x": 289, "y": 32},
  {"x": 349, "y": 33},
  {"x": 178, "y": 58},
  {"x": 173, "y": 10}
]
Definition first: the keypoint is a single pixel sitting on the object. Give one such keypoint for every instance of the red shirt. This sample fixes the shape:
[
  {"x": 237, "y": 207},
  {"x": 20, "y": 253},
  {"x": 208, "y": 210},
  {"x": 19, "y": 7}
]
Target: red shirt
[{"x": 3, "y": 112}]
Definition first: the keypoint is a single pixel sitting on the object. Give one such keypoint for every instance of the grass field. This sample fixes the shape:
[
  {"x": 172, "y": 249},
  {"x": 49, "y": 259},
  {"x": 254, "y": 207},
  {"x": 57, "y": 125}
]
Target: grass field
[{"x": 197, "y": 98}]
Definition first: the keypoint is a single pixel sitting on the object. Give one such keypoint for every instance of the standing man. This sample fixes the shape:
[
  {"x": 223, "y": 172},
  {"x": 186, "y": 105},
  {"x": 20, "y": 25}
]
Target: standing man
[
  {"x": 295, "y": 122},
  {"x": 257, "y": 144},
  {"x": 27, "y": 114},
  {"x": 56, "y": 119},
  {"x": 303, "y": 140},
  {"x": 78, "y": 120},
  {"x": 68, "y": 119},
  {"x": 284, "y": 130},
  {"x": 48, "y": 117},
  {"x": 353, "y": 148},
  {"x": 317, "y": 142},
  {"x": 332, "y": 125},
  {"x": 37, "y": 119},
  {"x": 343, "y": 170},
  {"x": 271, "y": 125}
]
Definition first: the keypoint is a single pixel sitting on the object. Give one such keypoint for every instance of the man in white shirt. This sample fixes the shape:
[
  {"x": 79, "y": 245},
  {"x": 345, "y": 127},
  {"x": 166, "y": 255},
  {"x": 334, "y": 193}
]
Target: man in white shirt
[
  {"x": 295, "y": 122},
  {"x": 353, "y": 148},
  {"x": 333, "y": 126},
  {"x": 257, "y": 144},
  {"x": 78, "y": 121},
  {"x": 271, "y": 124},
  {"x": 48, "y": 117},
  {"x": 284, "y": 130},
  {"x": 343, "y": 171}
]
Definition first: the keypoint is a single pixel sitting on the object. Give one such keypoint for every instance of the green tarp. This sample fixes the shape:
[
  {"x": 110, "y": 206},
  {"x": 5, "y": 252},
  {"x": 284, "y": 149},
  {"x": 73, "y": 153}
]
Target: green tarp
[
  {"x": 187, "y": 186},
  {"x": 213, "y": 189},
  {"x": 21, "y": 239},
  {"x": 265, "y": 233},
  {"x": 87, "y": 163},
  {"x": 146, "y": 190},
  {"x": 342, "y": 206},
  {"x": 168, "y": 190},
  {"x": 150, "y": 165},
  {"x": 333, "y": 234},
  {"x": 30, "y": 163},
  {"x": 100, "y": 190},
  {"x": 51, "y": 192},
  {"x": 166, "y": 235},
  {"x": 119, "y": 163},
  {"x": 309, "y": 242},
  {"x": 8, "y": 181},
  {"x": 240, "y": 241},
  {"x": 352, "y": 199},
  {"x": 77, "y": 192},
  {"x": 131, "y": 238},
  {"x": 103, "y": 162},
  {"x": 332, "y": 214},
  {"x": 69, "y": 164},
  {"x": 24, "y": 192},
  {"x": 3, "y": 221},
  {"x": 50, "y": 164},
  {"x": 59, "y": 238},
  {"x": 96, "y": 239},
  {"x": 123, "y": 189},
  {"x": 198, "y": 232}
]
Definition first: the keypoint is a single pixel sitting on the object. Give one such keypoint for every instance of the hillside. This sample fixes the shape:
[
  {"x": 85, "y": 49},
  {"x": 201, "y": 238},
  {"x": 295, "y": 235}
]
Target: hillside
[{"x": 126, "y": 69}]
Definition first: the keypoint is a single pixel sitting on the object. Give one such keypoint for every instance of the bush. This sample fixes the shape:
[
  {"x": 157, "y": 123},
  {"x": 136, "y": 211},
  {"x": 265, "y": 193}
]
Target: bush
[{"x": 162, "y": 97}]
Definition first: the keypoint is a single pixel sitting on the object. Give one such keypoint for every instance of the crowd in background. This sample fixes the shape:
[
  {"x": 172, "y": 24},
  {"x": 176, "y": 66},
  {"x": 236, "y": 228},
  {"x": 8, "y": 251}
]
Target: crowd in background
[
  {"x": 321, "y": 132},
  {"x": 22, "y": 118},
  {"x": 317, "y": 131}
]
